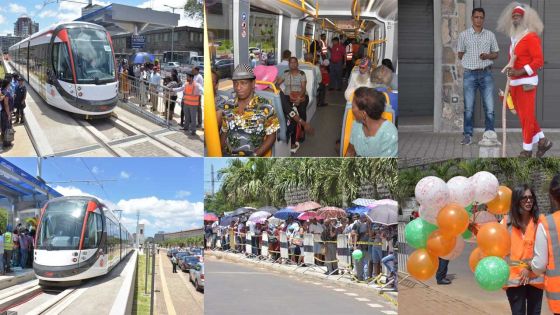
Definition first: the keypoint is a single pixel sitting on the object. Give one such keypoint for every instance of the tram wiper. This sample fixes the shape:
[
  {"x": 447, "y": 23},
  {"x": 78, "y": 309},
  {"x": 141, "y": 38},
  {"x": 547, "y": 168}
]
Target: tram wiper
[{"x": 96, "y": 80}]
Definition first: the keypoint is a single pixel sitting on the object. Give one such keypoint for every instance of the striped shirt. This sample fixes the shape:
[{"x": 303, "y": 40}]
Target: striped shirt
[{"x": 473, "y": 44}]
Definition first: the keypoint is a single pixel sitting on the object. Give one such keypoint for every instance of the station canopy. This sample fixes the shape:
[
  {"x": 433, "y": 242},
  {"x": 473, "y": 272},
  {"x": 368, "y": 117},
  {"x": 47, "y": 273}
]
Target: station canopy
[{"x": 16, "y": 184}]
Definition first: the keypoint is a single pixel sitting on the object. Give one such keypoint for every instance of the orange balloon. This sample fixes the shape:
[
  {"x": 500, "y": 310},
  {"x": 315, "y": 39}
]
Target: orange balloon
[
  {"x": 493, "y": 239},
  {"x": 439, "y": 244},
  {"x": 422, "y": 265},
  {"x": 453, "y": 219},
  {"x": 502, "y": 203},
  {"x": 475, "y": 257}
]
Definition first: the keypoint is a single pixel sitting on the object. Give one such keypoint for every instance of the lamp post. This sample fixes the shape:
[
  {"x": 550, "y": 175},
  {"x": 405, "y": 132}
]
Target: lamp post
[{"x": 172, "y": 28}]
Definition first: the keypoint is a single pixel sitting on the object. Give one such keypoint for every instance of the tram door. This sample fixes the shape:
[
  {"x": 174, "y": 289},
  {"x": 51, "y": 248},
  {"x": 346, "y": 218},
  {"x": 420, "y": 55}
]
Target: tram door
[{"x": 59, "y": 72}]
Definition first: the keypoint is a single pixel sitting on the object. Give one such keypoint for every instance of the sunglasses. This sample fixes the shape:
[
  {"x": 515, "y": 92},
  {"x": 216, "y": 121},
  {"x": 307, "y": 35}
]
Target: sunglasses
[{"x": 527, "y": 198}]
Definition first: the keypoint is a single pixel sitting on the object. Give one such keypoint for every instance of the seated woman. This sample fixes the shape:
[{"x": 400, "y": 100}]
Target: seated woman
[{"x": 372, "y": 135}]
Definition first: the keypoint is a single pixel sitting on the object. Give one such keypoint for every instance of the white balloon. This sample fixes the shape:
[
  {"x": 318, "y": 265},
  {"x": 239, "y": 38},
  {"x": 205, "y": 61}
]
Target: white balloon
[
  {"x": 456, "y": 252},
  {"x": 432, "y": 192},
  {"x": 485, "y": 186},
  {"x": 461, "y": 190},
  {"x": 428, "y": 214},
  {"x": 482, "y": 217}
]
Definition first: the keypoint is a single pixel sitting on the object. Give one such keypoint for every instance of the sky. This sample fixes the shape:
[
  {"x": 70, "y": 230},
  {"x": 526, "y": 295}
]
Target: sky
[
  {"x": 218, "y": 164},
  {"x": 65, "y": 11},
  {"x": 167, "y": 192}
]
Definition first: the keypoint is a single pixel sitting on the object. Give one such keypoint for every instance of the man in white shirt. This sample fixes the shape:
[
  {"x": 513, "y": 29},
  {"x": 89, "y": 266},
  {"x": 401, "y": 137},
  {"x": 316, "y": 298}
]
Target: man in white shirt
[
  {"x": 359, "y": 79},
  {"x": 200, "y": 82},
  {"x": 316, "y": 229}
]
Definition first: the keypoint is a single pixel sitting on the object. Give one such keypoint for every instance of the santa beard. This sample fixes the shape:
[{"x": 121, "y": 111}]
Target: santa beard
[
  {"x": 362, "y": 78},
  {"x": 516, "y": 31}
]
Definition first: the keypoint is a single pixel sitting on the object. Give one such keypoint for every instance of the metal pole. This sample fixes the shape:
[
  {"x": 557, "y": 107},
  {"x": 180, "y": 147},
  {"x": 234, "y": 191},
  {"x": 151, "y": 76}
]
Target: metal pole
[
  {"x": 153, "y": 278},
  {"x": 172, "y": 29},
  {"x": 146, "y": 253}
]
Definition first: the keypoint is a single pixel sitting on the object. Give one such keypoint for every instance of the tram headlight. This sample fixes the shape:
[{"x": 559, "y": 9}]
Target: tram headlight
[{"x": 74, "y": 259}]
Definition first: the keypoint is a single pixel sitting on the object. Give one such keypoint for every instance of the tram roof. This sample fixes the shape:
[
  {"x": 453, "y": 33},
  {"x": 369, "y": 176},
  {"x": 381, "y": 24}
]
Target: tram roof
[
  {"x": 54, "y": 27},
  {"x": 15, "y": 182}
]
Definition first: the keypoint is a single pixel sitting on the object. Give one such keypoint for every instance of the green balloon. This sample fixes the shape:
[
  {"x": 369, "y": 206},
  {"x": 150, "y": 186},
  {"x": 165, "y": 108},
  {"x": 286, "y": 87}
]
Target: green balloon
[
  {"x": 492, "y": 273},
  {"x": 467, "y": 234},
  {"x": 357, "y": 254},
  {"x": 417, "y": 231}
]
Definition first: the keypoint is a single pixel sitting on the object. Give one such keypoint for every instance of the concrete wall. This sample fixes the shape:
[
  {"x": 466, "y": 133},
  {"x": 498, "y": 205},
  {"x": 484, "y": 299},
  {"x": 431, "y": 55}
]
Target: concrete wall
[{"x": 184, "y": 234}]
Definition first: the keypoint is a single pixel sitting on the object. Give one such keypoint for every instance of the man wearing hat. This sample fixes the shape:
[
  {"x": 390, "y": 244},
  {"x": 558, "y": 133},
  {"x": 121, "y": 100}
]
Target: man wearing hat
[
  {"x": 362, "y": 78},
  {"x": 522, "y": 24},
  {"x": 249, "y": 122},
  {"x": 19, "y": 100}
]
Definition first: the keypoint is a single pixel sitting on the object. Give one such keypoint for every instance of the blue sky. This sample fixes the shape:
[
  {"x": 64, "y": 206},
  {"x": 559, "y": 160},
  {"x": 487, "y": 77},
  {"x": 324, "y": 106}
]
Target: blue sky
[
  {"x": 218, "y": 163},
  {"x": 168, "y": 192},
  {"x": 65, "y": 11}
]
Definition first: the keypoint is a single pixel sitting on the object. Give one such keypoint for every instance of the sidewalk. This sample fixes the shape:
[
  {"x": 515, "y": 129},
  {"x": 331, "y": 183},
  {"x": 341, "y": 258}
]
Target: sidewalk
[
  {"x": 16, "y": 277},
  {"x": 174, "y": 294},
  {"x": 425, "y": 144}
]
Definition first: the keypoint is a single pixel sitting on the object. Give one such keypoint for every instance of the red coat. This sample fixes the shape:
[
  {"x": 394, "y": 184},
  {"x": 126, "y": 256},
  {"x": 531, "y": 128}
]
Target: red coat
[{"x": 529, "y": 57}]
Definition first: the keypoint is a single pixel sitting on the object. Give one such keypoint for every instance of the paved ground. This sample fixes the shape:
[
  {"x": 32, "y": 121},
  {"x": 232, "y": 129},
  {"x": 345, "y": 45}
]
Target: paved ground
[
  {"x": 236, "y": 288},
  {"x": 425, "y": 144},
  {"x": 462, "y": 296},
  {"x": 174, "y": 293}
]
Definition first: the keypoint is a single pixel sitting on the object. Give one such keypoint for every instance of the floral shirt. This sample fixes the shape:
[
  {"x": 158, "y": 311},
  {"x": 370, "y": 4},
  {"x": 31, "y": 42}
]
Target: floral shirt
[{"x": 246, "y": 131}]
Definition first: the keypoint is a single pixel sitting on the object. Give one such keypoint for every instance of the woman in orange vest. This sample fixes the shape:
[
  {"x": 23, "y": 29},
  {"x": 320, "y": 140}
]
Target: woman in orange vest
[
  {"x": 547, "y": 249},
  {"x": 524, "y": 289}
]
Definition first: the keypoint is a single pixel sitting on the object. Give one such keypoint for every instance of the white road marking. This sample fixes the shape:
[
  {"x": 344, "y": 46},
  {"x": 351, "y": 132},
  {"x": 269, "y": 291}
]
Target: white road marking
[
  {"x": 362, "y": 299},
  {"x": 351, "y": 294},
  {"x": 339, "y": 290},
  {"x": 375, "y": 305},
  {"x": 316, "y": 283},
  {"x": 389, "y": 312}
]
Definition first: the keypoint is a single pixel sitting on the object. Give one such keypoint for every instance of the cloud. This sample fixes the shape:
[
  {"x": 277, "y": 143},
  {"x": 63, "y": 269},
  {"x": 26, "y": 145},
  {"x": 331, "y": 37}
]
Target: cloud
[
  {"x": 161, "y": 214},
  {"x": 182, "y": 194},
  {"x": 125, "y": 175},
  {"x": 2, "y": 19},
  {"x": 75, "y": 191},
  {"x": 16, "y": 8},
  {"x": 38, "y": 6},
  {"x": 48, "y": 13},
  {"x": 69, "y": 11},
  {"x": 95, "y": 170},
  {"x": 160, "y": 6}
]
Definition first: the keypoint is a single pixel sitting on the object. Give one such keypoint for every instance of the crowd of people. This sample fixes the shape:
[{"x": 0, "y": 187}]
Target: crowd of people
[
  {"x": 13, "y": 93},
  {"x": 159, "y": 91},
  {"x": 377, "y": 242},
  {"x": 249, "y": 123},
  {"x": 16, "y": 248}
]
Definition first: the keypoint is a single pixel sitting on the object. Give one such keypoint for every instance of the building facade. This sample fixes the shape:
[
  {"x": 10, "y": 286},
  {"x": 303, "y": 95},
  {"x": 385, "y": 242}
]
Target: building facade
[
  {"x": 161, "y": 236},
  {"x": 7, "y": 41},
  {"x": 24, "y": 27},
  {"x": 158, "y": 41}
]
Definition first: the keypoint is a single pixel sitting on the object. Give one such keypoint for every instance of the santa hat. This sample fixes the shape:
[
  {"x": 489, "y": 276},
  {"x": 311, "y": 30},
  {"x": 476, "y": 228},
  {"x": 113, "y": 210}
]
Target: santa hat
[{"x": 519, "y": 10}]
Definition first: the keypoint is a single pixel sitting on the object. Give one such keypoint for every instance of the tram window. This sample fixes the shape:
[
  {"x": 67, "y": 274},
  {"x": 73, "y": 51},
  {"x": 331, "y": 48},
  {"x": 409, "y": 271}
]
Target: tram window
[
  {"x": 61, "y": 62},
  {"x": 264, "y": 34},
  {"x": 92, "y": 235},
  {"x": 92, "y": 54}
]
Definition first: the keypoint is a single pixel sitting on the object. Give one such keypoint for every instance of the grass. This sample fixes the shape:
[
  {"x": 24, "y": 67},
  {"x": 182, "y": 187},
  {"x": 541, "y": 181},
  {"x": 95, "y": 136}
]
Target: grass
[{"x": 141, "y": 303}]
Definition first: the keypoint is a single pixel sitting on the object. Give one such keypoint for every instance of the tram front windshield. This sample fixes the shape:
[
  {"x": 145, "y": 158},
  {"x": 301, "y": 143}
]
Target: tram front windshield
[
  {"x": 61, "y": 225},
  {"x": 93, "y": 57}
]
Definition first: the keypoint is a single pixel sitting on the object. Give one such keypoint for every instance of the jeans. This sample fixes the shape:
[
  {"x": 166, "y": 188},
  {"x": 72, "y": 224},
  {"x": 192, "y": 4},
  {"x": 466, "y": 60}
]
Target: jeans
[
  {"x": 442, "y": 269},
  {"x": 389, "y": 262},
  {"x": 23, "y": 260},
  {"x": 483, "y": 81},
  {"x": 336, "y": 75},
  {"x": 525, "y": 300},
  {"x": 362, "y": 266}
]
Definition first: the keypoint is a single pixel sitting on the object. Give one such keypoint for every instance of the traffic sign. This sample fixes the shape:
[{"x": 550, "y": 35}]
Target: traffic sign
[{"x": 137, "y": 41}]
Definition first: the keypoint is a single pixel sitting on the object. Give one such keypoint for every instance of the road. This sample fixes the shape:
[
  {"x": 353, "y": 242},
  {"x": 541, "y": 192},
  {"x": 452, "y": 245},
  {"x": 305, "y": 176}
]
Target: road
[{"x": 233, "y": 288}]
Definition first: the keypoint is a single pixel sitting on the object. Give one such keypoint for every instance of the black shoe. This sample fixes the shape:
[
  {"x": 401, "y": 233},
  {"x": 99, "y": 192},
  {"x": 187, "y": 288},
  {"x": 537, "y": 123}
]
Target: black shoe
[
  {"x": 193, "y": 133},
  {"x": 444, "y": 281},
  {"x": 331, "y": 89}
]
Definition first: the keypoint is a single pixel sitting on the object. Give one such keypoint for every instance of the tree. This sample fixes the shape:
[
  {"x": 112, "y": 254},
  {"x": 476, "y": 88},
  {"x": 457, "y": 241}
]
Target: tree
[
  {"x": 193, "y": 9},
  {"x": 3, "y": 219}
]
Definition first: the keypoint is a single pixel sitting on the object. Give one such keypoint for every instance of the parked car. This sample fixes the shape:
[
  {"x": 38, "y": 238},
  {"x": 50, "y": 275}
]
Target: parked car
[
  {"x": 254, "y": 50},
  {"x": 170, "y": 66},
  {"x": 196, "y": 276},
  {"x": 224, "y": 67},
  {"x": 187, "y": 262}
]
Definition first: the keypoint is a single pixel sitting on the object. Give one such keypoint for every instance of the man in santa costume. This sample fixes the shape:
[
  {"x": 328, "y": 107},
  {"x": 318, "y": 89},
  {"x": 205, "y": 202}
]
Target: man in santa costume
[{"x": 523, "y": 25}]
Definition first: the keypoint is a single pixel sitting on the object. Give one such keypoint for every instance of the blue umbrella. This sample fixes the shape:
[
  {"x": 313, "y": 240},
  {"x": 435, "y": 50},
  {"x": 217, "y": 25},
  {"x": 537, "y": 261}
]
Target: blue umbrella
[
  {"x": 285, "y": 213},
  {"x": 357, "y": 210},
  {"x": 142, "y": 57},
  {"x": 226, "y": 220}
]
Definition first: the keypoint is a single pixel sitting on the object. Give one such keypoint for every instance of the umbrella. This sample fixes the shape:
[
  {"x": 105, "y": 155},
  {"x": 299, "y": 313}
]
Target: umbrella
[
  {"x": 142, "y": 57},
  {"x": 242, "y": 211},
  {"x": 285, "y": 213},
  {"x": 225, "y": 221},
  {"x": 275, "y": 221},
  {"x": 331, "y": 212},
  {"x": 210, "y": 217},
  {"x": 270, "y": 209},
  {"x": 385, "y": 212},
  {"x": 308, "y": 215},
  {"x": 306, "y": 206},
  {"x": 256, "y": 216},
  {"x": 363, "y": 202},
  {"x": 357, "y": 210}
]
